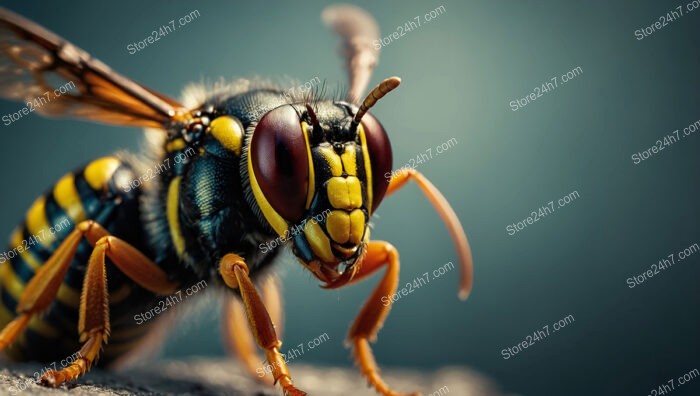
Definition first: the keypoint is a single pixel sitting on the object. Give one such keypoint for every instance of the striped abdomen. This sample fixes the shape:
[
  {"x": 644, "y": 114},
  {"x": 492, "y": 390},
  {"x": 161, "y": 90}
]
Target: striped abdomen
[{"x": 88, "y": 193}]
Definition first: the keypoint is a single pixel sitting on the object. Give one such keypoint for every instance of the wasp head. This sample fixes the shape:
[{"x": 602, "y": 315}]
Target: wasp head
[{"x": 318, "y": 173}]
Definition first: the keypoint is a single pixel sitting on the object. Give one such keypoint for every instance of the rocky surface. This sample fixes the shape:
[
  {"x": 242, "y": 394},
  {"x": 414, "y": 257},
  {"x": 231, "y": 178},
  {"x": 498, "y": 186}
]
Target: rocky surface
[{"x": 224, "y": 377}]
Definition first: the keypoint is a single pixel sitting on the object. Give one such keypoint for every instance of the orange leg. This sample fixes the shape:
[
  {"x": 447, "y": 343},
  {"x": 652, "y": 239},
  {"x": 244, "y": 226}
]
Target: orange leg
[
  {"x": 234, "y": 272},
  {"x": 448, "y": 216},
  {"x": 371, "y": 318},
  {"x": 41, "y": 289},
  {"x": 93, "y": 324},
  {"x": 237, "y": 334}
]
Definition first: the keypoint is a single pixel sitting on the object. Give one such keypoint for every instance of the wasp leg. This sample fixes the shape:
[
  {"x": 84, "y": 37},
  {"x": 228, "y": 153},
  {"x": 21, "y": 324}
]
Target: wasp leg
[
  {"x": 371, "y": 318},
  {"x": 448, "y": 216},
  {"x": 234, "y": 271},
  {"x": 41, "y": 289},
  {"x": 93, "y": 325},
  {"x": 237, "y": 334}
]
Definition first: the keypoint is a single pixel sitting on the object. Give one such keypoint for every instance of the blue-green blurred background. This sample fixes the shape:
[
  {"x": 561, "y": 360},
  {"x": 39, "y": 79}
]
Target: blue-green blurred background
[{"x": 460, "y": 71}]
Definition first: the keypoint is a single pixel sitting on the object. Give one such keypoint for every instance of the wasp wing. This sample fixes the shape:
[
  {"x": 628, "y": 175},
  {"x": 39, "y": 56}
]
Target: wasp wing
[
  {"x": 63, "y": 80},
  {"x": 360, "y": 35}
]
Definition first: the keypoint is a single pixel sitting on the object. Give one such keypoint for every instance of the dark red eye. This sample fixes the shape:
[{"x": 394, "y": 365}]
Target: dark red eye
[
  {"x": 380, "y": 157},
  {"x": 280, "y": 162}
]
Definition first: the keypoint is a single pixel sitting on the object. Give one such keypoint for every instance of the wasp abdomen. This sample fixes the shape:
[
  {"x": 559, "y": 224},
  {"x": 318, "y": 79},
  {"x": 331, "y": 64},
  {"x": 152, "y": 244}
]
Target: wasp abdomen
[{"x": 99, "y": 191}]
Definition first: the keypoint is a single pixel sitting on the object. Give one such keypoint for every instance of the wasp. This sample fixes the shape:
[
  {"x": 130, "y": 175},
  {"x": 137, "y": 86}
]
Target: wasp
[{"x": 246, "y": 163}]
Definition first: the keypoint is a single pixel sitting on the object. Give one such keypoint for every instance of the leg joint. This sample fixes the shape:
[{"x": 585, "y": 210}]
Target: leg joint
[
  {"x": 392, "y": 254},
  {"x": 105, "y": 242},
  {"x": 227, "y": 268},
  {"x": 85, "y": 226},
  {"x": 92, "y": 231}
]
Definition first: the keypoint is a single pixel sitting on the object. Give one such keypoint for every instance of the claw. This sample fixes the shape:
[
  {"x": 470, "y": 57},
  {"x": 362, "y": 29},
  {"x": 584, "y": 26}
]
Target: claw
[
  {"x": 51, "y": 379},
  {"x": 294, "y": 392}
]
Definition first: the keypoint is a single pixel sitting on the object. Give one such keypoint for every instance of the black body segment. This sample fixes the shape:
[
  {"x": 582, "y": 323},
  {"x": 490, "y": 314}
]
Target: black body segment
[{"x": 94, "y": 192}]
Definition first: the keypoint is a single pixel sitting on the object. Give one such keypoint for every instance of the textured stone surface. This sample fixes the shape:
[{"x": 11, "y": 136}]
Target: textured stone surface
[{"x": 224, "y": 377}]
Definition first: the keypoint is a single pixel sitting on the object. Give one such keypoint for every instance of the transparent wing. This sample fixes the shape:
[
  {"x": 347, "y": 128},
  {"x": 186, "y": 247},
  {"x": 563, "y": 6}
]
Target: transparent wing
[
  {"x": 360, "y": 35},
  {"x": 36, "y": 64}
]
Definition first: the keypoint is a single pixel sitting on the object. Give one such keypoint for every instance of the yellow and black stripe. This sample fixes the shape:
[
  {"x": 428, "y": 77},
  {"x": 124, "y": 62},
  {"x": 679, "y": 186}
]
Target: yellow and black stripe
[{"x": 93, "y": 192}]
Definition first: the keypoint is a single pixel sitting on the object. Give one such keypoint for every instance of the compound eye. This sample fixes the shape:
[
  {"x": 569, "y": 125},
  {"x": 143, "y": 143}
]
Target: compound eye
[
  {"x": 280, "y": 162},
  {"x": 380, "y": 157}
]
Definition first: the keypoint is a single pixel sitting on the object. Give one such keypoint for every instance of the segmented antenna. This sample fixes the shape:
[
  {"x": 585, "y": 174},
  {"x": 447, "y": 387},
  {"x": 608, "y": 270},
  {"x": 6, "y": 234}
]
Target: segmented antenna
[
  {"x": 312, "y": 115},
  {"x": 373, "y": 97}
]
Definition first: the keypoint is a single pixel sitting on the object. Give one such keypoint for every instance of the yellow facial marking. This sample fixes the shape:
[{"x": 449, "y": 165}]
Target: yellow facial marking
[
  {"x": 338, "y": 226},
  {"x": 368, "y": 166},
  {"x": 312, "y": 173},
  {"x": 172, "y": 214},
  {"x": 175, "y": 145},
  {"x": 229, "y": 132},
  {"x": 349, "y": 158},
  {"x": 38, "y": 224},
  {"x": 333, "y": 160},
  {"x": 66, "y": 195},
  {"x": 346, "y": 227},
  {"x": 98, "y": 172},
  {"x": 357, "y": 226},
  {"x": 275, "y": 220},
  {"x": 318, "y": 241},
  {"x": 345, "y": 193}
]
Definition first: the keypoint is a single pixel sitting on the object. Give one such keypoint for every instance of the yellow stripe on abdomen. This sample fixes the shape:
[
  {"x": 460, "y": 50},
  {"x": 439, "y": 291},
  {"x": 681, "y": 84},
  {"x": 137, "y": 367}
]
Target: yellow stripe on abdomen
[
  {"x": 38, "y": 224},
  {"x": 67, "y": 197},
  {"x": 14, "y": 286},
  {"x": 98, "y": 172},
  {"x": 15, "y": 242}
]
